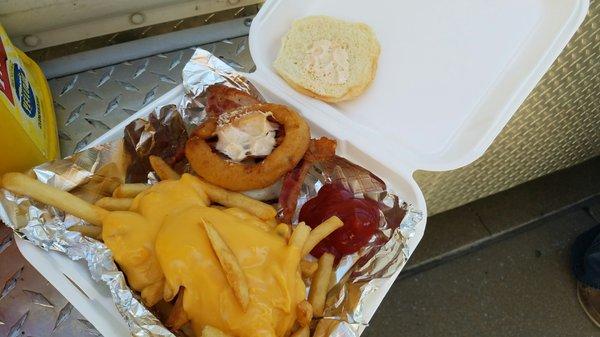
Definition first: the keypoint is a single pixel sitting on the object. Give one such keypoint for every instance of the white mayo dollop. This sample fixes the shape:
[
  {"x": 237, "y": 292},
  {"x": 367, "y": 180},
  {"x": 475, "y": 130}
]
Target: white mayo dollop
[{"x": 248, "y": 135}]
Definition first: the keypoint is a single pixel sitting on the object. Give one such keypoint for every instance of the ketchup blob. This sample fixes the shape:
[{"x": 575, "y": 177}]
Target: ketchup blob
[{"x": 360, "y": 218}]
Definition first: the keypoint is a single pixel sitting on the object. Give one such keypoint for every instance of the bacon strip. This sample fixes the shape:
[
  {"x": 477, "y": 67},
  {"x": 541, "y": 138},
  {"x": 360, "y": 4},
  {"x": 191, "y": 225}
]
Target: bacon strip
[
  {"x": 321, "y": 149},
  {"x": 221, "y": 98}
]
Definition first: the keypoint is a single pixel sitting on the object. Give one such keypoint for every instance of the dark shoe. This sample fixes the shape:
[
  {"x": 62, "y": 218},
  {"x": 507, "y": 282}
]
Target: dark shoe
[
  {"x": 585, "y": 261},
  {"x": 589, "y": 298}
]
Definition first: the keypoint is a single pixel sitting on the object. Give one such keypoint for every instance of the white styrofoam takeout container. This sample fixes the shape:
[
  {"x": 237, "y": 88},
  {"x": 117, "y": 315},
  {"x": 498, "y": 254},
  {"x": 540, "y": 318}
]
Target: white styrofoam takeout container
[{"x": 450, "y": 76}]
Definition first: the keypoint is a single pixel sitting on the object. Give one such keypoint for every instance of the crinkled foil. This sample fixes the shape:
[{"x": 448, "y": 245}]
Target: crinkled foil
[
  {"x": 90, "y": 174},
  {"x": 95, "y": 172}
]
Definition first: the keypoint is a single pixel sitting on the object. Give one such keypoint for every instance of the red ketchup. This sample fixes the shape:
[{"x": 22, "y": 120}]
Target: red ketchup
[{"x": 360, "y": 218}]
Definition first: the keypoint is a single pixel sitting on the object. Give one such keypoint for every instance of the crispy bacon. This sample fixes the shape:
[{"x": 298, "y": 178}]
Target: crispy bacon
[
  {"x": 221, "y": 98},
  {"x": 321, "y": 149}
]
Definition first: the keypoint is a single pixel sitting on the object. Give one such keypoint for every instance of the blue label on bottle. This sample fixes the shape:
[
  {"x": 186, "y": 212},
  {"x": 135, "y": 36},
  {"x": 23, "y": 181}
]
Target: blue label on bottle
[{"x": 24, "y": 92}]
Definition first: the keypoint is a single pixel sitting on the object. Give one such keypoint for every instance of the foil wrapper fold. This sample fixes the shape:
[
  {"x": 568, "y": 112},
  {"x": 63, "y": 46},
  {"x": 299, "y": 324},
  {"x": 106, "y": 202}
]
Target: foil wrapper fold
[{"x": 95, "y": 172}]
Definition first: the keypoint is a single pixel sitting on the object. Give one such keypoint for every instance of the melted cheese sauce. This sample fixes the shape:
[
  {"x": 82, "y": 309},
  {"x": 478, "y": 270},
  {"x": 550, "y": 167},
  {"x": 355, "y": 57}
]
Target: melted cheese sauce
[
  {"x": 248, "y": 135},
  {"x": 131, "y": 235},
  {"x": 270, "y": 266},
  {"x": 161, "y": 243}
]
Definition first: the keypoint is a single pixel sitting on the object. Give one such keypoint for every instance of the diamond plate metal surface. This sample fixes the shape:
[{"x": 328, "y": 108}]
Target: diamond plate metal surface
[
  {"x": 29, "y": 305},
  {"x": 87, "y": 105},
  {"x": 90, "y": 103}
]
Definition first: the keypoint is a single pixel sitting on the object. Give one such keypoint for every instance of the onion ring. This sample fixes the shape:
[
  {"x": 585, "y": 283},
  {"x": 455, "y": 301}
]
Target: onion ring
[{"x": 242, "y": 176}]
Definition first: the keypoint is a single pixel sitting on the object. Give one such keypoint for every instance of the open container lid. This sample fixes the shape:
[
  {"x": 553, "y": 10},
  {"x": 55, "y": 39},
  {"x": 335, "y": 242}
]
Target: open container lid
[{"x": 450, "y": 74}]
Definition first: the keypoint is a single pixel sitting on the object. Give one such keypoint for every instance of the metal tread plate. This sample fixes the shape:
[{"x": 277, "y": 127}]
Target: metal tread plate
[{"x": 87, "y": 105}]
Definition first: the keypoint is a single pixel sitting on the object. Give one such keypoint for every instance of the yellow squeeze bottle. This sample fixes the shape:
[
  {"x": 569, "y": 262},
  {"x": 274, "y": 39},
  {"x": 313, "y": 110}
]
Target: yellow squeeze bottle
[{"x": 28, "y": 133}]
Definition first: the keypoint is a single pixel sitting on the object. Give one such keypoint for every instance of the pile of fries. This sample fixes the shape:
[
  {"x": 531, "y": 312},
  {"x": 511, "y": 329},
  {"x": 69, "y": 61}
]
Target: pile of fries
[{"x": 318, "y": 274}]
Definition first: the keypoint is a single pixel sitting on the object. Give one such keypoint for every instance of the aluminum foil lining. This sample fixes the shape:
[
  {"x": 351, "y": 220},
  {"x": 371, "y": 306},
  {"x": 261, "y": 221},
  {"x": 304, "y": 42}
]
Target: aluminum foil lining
[{"x": 94, "y": 173}]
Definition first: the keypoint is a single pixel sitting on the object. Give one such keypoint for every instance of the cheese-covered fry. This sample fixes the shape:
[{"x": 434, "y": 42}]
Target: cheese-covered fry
[
  {"x": 129, "y": 190},
  {"x": 94, "y": 232},
  {"x": 308, "y": 268},
  {"x": 234, "y": 199},
  {"x": 209, "y": 331},
  {"x": 302, "y": 332},
  {"x": 114, "y": 204},
  {"x": 304, "y": 313},
  {"x": 231, "y": 267},
  {"x": 284, "y": 230}
]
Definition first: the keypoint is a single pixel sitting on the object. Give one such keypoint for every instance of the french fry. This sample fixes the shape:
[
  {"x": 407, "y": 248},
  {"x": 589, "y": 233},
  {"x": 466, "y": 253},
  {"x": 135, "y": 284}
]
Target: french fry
[
  {"x": 292, "y": 258},
  {"x": 302, "y": 332},
  {"x": 240, "y": 213},
  {"x": 272, "y": 222},
  {"x": 162, "y": 169},
  {"x": 31, "y": 173},
  {"x": 249, "y": 218},
  {"x": 168, "y": 293},
  {"x": 234, "y": 199},
  {"x": 129, "y": 190},
  {"x": 284, "y": 230},
  {"x": 320, "y": 283},
  {"x": 24, "y": 184},
  {"x": 115, "y": 204},
  {"x": 233, "y": 271},
  {"x": 304, "y": 313},
  {"x": 108, "y": 185},
  {"x": 299, "y": 235},
  {"x": 209, "y": 331},
  {"x": 93, "y": 232},
  {"x": 196, "y": 184},
  {"x": 177, "y": 317},
  {"x": 321, "y": 232},
  {"x": 325, "y": 327},
  {"x": 332, "y": 281},
  {"x": 107, "y": 178},
  {"x": 308, "y": 268},
  {"x": 97, "y": 186},
  {"x": 152, "y": 294}
]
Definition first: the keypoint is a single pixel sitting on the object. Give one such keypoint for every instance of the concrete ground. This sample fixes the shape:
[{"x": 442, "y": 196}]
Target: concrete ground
[{"x": 506, "y": 274}]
